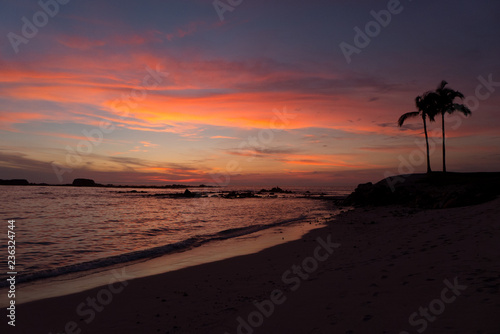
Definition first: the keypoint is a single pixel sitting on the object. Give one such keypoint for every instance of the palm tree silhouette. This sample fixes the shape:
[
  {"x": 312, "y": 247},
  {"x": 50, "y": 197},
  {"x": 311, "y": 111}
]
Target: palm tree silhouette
[
  {"x": 444, "y": 104},
  {"x": 426, "y": 106}
]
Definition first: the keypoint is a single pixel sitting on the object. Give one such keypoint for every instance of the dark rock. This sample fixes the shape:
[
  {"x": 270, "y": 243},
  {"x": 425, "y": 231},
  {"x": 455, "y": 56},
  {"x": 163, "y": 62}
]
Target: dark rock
[
  {"x": 84, "y": 183},
  {"x": 14, "y": 182},
  {"x": 430, "y": 191},
  {"x": 275, "y": 190},
  {"x": 236, "y": 194},
  {"x": 187, "y": 193}
]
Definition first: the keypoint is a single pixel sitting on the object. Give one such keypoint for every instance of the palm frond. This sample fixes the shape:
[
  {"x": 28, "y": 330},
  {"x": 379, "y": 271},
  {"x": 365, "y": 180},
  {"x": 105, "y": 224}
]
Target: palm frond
[
  {"x": 432, "y": 116},
  {"x": 445, "y": 98},
  {"x": 462, "y": 108},
  {"x": 429, "y": 105},
  {"x": 442, "y": 85},
  {"x": 418, "y": 101},
  {"x": 404, "y": 117}
]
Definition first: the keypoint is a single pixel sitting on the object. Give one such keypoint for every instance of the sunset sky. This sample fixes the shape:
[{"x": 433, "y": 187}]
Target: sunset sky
[{"x": 170, "y": 93}]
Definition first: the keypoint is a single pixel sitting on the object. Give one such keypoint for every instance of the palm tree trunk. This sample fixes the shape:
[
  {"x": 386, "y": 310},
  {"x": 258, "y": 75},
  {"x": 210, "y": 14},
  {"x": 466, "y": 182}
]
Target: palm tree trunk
[
  {"x": 444, "y": 146},
  {"x": 427, "y": 144}
]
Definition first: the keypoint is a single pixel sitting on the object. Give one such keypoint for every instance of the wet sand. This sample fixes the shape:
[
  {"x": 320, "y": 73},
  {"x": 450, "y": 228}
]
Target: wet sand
[
  {"x": 371, "y": 270},
  {"x": 209, "y": 252}
]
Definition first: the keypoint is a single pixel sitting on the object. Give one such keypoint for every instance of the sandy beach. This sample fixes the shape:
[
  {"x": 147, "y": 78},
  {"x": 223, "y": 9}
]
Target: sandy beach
[{"x": 370, "y": 270}]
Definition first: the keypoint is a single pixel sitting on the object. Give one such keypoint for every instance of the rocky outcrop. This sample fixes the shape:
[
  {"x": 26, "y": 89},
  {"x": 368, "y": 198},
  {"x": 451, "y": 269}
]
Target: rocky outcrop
[
  {"x": 277, "y": 190},
  {"x": 84, "y": 183},
  {"x": 430, "y": 191}
]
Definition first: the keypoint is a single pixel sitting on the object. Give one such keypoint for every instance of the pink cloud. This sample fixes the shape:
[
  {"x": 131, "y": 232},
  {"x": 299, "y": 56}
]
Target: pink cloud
[{"x": 80, "y": 42}]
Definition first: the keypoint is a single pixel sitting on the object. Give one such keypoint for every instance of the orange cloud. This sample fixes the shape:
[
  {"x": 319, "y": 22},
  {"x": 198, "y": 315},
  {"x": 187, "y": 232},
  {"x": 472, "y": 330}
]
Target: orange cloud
[
  {"x": 317, "y": 160},
  {"x": 198, "y": 93}
]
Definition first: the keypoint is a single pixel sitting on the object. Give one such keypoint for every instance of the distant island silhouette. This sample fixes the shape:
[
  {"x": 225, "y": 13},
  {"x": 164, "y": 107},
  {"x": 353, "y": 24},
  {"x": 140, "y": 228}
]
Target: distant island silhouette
[
  {"x": 84, "y": 183},
  {"x": 81, "y": 182},
  {"x": 15, "y": 182}
]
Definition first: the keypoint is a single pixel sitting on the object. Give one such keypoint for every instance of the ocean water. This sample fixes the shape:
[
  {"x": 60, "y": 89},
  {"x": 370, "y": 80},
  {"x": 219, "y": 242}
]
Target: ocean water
[{"x": 62, "y": 230}]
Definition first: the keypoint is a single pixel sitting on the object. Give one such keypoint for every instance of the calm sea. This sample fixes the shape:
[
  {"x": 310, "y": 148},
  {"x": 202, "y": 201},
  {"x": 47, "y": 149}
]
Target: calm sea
[{"x": 63, "y": 230}]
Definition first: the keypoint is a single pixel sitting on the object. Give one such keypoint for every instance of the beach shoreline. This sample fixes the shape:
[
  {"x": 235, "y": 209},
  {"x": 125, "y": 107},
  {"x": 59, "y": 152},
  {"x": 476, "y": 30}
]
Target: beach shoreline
[
  {"x": 214, "y": 250},
  {"x": 391, "y": 262}
]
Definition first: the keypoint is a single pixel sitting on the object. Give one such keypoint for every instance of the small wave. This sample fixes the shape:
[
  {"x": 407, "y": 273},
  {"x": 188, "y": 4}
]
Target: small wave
[
  {"x": 160, "y": 229},
  {"x": 84, "y": 251},
  {"x": 105, "y": 262},
  {"x": 239, "y": 231},
  {"x": 43, "y": 243},
  {"x": 148, "y": 253}
]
